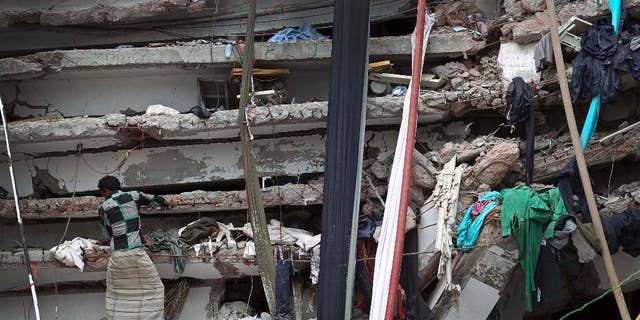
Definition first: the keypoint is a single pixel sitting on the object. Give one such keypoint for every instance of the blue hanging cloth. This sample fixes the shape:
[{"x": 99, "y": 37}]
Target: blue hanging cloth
[{"x": 591, "y": 121}]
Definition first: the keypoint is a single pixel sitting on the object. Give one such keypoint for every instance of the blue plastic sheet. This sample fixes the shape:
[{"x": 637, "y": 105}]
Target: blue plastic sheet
[
  {"x": 469, "y": 229},
  {"x": 591, "y": 122},
  {"x": 305, "y": 32},
  {"x": 399, "y": 91}
]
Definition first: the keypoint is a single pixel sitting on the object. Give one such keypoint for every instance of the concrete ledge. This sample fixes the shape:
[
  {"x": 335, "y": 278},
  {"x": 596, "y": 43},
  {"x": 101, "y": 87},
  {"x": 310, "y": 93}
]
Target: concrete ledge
[
  {"x": 226, "y": 263},
  {"x": 196, "y": 201},
  {"x": 63, "y": 135},
  {"x": 40, "y": 64}
]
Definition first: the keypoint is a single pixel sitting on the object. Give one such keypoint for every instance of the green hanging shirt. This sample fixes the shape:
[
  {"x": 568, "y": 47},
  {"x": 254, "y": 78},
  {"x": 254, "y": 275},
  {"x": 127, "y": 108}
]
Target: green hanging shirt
[{"x": 525, "y": 214}]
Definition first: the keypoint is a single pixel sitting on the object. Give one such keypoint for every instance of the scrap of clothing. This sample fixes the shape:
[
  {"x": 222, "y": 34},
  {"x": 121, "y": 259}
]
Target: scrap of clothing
[
  {"x": 471, "y": 224},
  {"x": 520, "y": 108},
  {"x": 70, "y": 252},
  {"x": 530, "y": 217},
  {"x": 305, "y": 32}
]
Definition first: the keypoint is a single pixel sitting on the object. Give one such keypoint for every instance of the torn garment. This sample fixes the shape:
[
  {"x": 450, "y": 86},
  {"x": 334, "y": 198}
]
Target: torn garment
[
  {"x": 564, "y": 228},
  {"x": 470, "y": 226},
  {"x": 570, "y": 185},
  {"x": 623, "y": 230},
  {"x": 548, "y": 291},
  {"x": 169, "y": 240},
  {"x": 199, "y": 230},
  {"x": 445, "y": 199},
  {"x": 202, "y": 112},
  {"x": 283, "y": 290},
  {"x": 525, "y": 214},
  {"x": 519, "y": 108},
  {"x": 304, "y": 32},
  {"x": 594, "y": 71},
  {"x": 543, "y": 53},
  {"x": 584, "y": 249},
  {"x": 70, "y": 252},
  {"x": 278, "y": 233},
  {"x": 415, "y": 306}
]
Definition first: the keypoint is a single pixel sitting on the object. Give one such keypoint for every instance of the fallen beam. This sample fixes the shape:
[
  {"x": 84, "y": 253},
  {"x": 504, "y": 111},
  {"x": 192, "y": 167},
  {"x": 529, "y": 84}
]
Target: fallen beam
[
  {"x": 548, "y": 163},
  {"x": 195, "y": 201}
]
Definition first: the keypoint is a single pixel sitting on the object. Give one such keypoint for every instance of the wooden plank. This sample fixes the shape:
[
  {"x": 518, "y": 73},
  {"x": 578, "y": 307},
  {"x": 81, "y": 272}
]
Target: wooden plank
[
  {"x": 262, "y": 72},
  {"x": 380, "y": 66}
]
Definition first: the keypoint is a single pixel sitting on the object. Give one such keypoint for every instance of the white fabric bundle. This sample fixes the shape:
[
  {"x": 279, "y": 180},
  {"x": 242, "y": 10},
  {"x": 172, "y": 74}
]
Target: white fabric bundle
[
  {"x": 70, "y": 252},
  {"x": 279, "y": 234}
]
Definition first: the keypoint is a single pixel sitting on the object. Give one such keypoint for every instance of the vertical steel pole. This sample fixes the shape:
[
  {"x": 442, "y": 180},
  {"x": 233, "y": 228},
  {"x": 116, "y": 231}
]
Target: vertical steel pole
[{"x": 27, "y": 260}]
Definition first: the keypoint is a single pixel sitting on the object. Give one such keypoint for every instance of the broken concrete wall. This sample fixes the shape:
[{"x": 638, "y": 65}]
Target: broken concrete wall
[
  {"x": 178, "y": 165},
  {"x": 168, "y": 165},
  {"x": 100, "y": 92},
  {"x": 91, "y": 93}
]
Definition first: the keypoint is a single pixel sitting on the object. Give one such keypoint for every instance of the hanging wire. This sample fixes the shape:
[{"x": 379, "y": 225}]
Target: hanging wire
[
  {"x": 66, "y": 227},
  {"x": 613, "y": 161}
]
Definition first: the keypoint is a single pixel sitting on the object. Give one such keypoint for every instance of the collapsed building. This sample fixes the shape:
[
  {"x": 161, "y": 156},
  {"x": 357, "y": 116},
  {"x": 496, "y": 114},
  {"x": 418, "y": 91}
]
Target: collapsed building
[{"x": 120, "y": 88}]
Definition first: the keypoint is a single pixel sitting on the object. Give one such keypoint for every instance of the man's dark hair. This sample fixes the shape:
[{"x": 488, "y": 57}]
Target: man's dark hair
[{"x": 109, "y": 182}]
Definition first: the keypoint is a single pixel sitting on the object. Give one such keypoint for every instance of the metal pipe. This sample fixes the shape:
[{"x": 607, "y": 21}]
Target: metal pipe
[
  {"x": 27, "y": 260},
  {"x": 416, "y": 73}
]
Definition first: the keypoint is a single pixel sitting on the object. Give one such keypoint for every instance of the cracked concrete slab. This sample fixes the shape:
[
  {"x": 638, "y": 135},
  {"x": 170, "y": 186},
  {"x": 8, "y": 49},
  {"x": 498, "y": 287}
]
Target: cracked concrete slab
[
  {"x": 40, "y": 64},
  {"x": 212, "y": 163},
  {"x": 63, "y": 135},
  {"x": 203, "y": 267},
  {"x": 195, "y": 201},
  {"x": 94, "y": 12}
]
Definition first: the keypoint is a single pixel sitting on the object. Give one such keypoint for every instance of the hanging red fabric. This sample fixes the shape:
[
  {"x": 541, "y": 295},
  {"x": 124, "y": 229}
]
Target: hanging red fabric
[{"x": 416, "y": 73}]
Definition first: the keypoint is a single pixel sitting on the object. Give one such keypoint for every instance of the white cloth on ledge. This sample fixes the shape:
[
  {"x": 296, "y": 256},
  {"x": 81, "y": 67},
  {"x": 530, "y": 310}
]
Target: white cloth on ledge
[{"x": 70, "y": 252}]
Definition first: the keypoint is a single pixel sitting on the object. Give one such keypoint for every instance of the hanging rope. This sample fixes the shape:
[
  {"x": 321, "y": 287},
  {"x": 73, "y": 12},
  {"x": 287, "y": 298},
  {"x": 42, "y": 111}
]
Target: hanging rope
[
  {"x": 118, "y": 166},
  {"x": 175, "y": 297}
]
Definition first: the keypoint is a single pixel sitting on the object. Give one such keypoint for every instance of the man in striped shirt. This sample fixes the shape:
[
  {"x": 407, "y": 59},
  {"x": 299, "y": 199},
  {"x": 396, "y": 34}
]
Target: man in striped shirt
[{"x": 134, "y": 288}]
